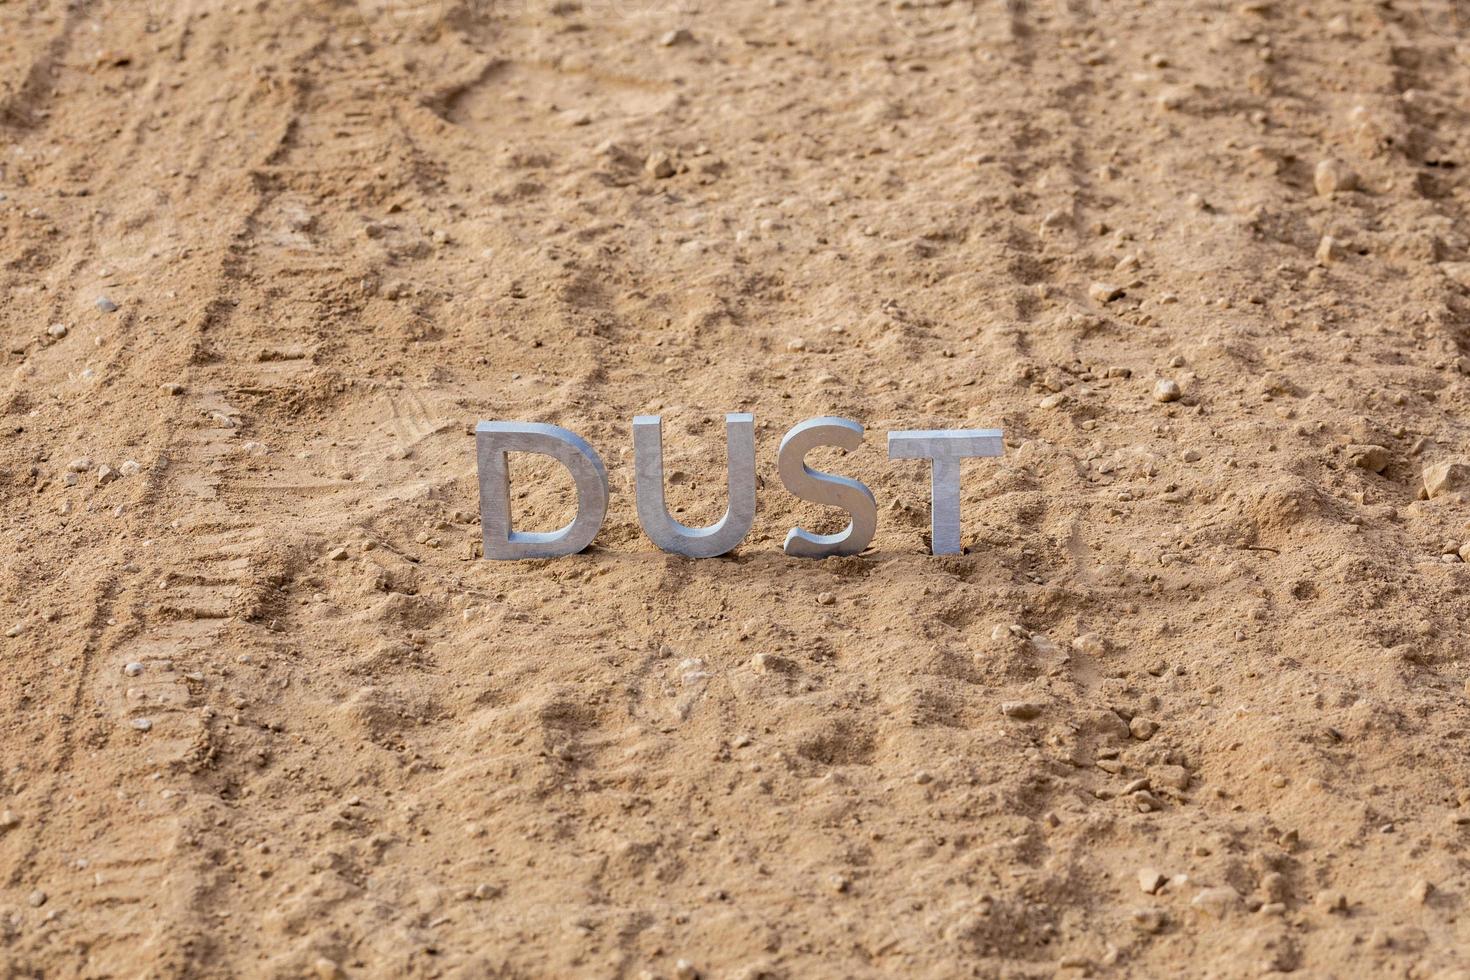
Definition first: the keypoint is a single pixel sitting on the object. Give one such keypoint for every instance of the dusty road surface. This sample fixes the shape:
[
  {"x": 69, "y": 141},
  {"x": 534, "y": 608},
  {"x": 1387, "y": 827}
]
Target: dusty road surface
[{"x": 1193, "y": 702}]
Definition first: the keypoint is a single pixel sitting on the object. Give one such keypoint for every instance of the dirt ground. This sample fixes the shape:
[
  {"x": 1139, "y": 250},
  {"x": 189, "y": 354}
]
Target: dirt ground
[{"x": 1194, "y": 702}]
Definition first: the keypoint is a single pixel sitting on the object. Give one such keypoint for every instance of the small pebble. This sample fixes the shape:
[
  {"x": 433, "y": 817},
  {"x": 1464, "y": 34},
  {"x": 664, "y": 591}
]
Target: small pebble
[
  {"x": 142, "y": 724},
  {"x": 1216, "y": 903},
  {"x": 56, "y": 330},
  {"x": 1177, "y": 777},
  {"x": 1142, "y": 729},
  {"x": 1166, "y": 390},
  {"x": 1151, "y": 880},
  {"x": 1146, "y": 802},
  {"x": 1333, "y": 176},
  {"x": 106, "y": 305},
  {"x": 130, "y": 468},
  {"x": 659, "y": 165},
  {"x": 1021, "y": 710},
  {"x": 1150, "y": 919},
  {"x": 1104, "y": 292},
  {"x": 1090, "y": 644},
  {"x": 106, "y": 474},
  {"x": 1373, "y": 458},
  {"x": 676, "y": 37},
  {"x": 1327, "y": 251},
  {"x": 133, "y": 669},
  {"x": 79, "y": 465},
  {"x": 826, "y": 599},
  {"x": 36, "y": 898}
]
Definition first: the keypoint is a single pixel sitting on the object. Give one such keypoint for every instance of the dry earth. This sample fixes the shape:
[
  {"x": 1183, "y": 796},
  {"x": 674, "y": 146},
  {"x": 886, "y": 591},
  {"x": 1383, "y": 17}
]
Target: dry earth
[{"x": 1229, "y": 628}]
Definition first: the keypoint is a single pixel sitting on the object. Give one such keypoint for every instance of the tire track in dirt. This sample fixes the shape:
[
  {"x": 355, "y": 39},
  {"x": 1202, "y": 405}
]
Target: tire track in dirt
[{"x": 119, "y": 898}]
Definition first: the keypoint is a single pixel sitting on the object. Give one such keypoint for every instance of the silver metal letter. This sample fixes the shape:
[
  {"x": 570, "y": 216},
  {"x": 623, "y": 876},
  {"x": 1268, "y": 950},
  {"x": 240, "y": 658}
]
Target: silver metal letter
[
  {"x": 824, "y": 488},
  {"x": 946, "y": 449},
  {"x": 493, "y": 440},
  {"x": 653, "y": 514}
]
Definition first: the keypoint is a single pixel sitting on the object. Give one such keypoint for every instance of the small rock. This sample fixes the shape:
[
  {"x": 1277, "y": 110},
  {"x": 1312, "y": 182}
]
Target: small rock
[
  {"x": 1090, "y": 645},
  {"x": 1190, "y": 456},
  {"x": 1216, "y": 903},
  {"x": 1331, "y": 900},
  {"x": 1173, "y": 99},
  {"x": 676, "y": 37},
  {"x": 142, "y": 724},
  {"x": 326, "y": 969},
  {"x": 1142, "y": 728},
  {"x": 56, "y": 331},
  {"x": 1149, "y": 919},
  {"x": 1333, "y": 176},
  {"x": 1327, "y": 251},
  {"x": 106, "y": 474},
  {"x": 1104, "y": 292},
  {"x": 1146, "y": 802},
  {"x": 796, "y": 345},
  {"x": 1273, "y": 886},
  {"x": 171, "y": 388},
  {"x": 16, "y": 630},
  {"x": 1175, "y": 777},
  {"x": 1021, "y": 710},
  {"x": 79, "y": 465},
  {"x": 825, "y": 599},
  {"x": 36, "y": 898},
  {"x": 1419, "y": 891},
  {"x": 684, "y": 970},
  {"x": 659, "y": 165},
  {"x": 130, "y": 468},
  {"x": 1447, "y": 477},
  {"x": 133, "y": 669},
  {"x": 1151, "y": 880},
  {"x": 1373, "y": 458},
  {"x": 9, "y": 821},
  {"x": 1166, "y": 390},
  {"x": 106, "y": 305},
  {"x": 337, "y": 554}
]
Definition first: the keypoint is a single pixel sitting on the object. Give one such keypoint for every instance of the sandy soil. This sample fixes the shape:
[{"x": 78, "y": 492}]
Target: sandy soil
[{"x": 1193, "y": 703}]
